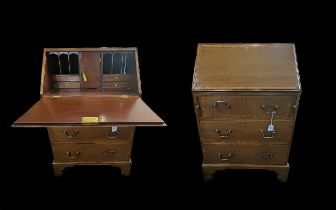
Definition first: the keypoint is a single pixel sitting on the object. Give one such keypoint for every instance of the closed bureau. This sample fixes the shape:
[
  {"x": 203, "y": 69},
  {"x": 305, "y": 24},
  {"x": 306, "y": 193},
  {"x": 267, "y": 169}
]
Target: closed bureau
[
  {"x": 246, "y": 98},
  {"x": 90, "y": 103}
]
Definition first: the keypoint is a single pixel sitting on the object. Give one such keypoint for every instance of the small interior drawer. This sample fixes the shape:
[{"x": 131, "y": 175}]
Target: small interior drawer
[
  {"x": 221, "y": 153},
  {"x": 116, "y": 77},
  {"x": 65, "y": 78},
  {"x": 72, "y": 152},
  {"x": 92, "y": 134},
  {"x": 219, "y": 106},
  {"x": 255, "y": 131},
  {"x": 116, "y": 85},
  {"x": 61, "y": 85}
]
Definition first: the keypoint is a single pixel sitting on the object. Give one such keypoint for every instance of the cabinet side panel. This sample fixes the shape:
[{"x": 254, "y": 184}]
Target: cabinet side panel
[
  {"x": 46, "y": 84},
  {"x": 138, "y": 72},
  {"x": 295, "y": 108},
  {"x": 198, "y": 113}
]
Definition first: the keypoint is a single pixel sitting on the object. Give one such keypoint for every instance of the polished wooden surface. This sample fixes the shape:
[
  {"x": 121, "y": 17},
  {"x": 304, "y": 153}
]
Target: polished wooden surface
[
  {"x": 235, "y": 89},
  {"x": 246, "y": 131},
  {"x": 91, "y": 134},
  {"x": 88, "y": 92},
  {"x": 90, "y": 61},
  {"x": 116, "y": 77},
  {"x": 116, "y": 85},
  {"x": 90, "y": 66},
  {"x": 245, "y": 153},
  {"x": 67, "y": 111},
  {"x": 111, "y": 99},
  {"x": 70, "y": 85},
  {"x": 76, "y": 152},
  {"x": 46, "y": 78},
  {"x": 66, "y": 77},
  {"x": 246, "y": 67},
  {"x": 247, "y": 106},
  {"x": 91, "y": 146}
]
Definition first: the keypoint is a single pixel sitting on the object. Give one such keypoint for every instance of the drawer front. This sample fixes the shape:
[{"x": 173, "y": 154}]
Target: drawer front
[
  {"x": 96, "y": 134},
  {"x": 220, "y": 106},
  {"x": 246, "y": 131},
  {"x": 66, "y": 77},
  {"x": 221, "y": 153},
  {"x": 117, "y": 85},
  {"x": 71, "y": 152},
  {"x": 116, "y": 77},
  {"x": 66, "y": 84}
]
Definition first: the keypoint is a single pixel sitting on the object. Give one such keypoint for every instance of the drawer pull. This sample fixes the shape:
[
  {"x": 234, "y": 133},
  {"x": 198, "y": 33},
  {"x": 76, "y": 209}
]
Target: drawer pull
[
  {"x": 262, "y": 133},
  {"x": 225, "y": 135},
  {"x": 71, "y": 134},
  {"x": 198, "y": 110},
  {"x": 269, "y": 109},
  {"x": 111, "y": 134},
  {"x": 110, "y": 153},
  {"x": 265, "y": 155},
  {"x": 73, "y": 155},
  {"x": 225, "y": 157},
  {"x": 226, "y": 104}
]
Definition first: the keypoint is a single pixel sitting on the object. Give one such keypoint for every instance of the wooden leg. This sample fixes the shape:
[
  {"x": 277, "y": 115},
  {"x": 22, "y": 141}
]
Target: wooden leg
[
  {"x": 282, "y": 173},
  {"x": 58, "y": 169},
  {"x": 208, "y": 172},
  {"x": 125, "y": 170}
]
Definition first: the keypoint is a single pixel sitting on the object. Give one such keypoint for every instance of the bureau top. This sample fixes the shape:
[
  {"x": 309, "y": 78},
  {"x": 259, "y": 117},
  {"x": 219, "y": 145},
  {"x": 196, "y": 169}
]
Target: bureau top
[{"x": 250, "y": 67}]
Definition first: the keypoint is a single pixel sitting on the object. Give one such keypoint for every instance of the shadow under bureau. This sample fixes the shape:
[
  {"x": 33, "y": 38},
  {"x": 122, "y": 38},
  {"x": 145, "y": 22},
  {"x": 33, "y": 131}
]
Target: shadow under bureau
[
  {"x": 246, "y": 98},
  {"x": 91, "y": 103}
]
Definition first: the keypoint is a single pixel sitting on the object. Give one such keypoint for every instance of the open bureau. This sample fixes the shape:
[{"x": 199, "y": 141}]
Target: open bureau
[
  {"x": 90, "y": 103},
  {"x": 246, "y": 98}
]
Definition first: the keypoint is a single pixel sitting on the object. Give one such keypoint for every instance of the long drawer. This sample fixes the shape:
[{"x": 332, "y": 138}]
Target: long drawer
[
  {"x": 71, "y": 152},
  {"x": 219, "y": 153},
  {"x": 247, "y": 131},
  {"x": 219, "y": 106},
  {"x": 90, "y": 135}
]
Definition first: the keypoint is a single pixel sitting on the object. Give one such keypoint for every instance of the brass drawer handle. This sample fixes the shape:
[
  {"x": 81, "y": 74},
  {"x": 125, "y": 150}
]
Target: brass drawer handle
[
  {"x": 225, "y": 157},
  {"x": 111, "y": 134},
  {"x": 73, "y": 155},
  {"x": 110, "y": 153},
  {"x": 265, "y": 155},
  {"x": 225, "y": 135},
  {"x": 198, "y": 110},
  {"x": 226, "y": 104},
  {"x": 269, "y": 109},
  {"x": 262, "y": 133},
  {"x": 71, "y": 134}
]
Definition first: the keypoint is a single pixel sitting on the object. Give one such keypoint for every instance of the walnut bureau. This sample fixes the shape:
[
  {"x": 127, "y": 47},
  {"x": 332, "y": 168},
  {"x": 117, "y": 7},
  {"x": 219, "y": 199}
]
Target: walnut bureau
[
  {"x": 90, "y": 103},
  {"x": 246, "y": 98}
]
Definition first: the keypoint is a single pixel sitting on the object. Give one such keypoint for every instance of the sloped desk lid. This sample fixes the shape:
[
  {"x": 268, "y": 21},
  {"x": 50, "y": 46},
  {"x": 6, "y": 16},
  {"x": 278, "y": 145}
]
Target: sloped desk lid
[
  {"x": 250, "y": 67},
  {"x": 69, "y": 111}
]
